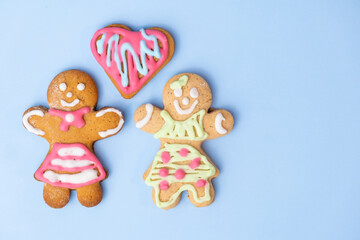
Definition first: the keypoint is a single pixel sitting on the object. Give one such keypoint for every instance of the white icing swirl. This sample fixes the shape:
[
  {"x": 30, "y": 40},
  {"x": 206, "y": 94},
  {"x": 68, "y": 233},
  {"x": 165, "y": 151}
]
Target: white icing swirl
[
  {"x": 218, "y": 126},
  {"x": 113, "y": 130},
  {"x": 28, "y": 126},
  {"x": 149, "y": 110}
]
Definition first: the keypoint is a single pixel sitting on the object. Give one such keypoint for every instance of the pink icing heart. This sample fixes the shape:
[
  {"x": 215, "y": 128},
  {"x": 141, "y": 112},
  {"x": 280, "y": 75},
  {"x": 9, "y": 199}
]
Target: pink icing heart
[{"x": 123, "y": 54}]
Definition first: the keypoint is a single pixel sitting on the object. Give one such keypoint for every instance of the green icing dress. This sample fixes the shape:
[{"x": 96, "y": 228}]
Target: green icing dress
[{"x": 168, "y": 166}]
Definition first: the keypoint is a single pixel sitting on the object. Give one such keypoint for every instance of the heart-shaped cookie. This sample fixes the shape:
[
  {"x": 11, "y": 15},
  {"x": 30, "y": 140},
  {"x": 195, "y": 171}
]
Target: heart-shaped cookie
[{"x": 131, "y": 59}]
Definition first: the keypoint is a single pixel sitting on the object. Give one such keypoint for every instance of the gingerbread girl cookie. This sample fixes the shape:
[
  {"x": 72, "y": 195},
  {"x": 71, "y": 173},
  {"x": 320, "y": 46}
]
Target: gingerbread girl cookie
[
  {"x": 186, "y": 121},
  {"x": 71, "y": 126}
]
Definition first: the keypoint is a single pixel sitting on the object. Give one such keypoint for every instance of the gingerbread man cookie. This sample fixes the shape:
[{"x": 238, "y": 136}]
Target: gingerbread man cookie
[
  {"x": 71, "y": 126},
  {"x": 131, "y": 58},
  {"x": 186, "y": 121}
]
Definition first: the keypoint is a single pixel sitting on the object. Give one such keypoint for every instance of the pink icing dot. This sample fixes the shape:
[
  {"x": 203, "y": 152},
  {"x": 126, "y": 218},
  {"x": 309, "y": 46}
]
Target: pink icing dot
[
  {"x": 164, "y": 172},
  {"x": 165, "y": 157},
  {"x": 195, "y": 163},
  {"x": 164, "y": 185},
  {"x": 200, "y": 183},
  {"x": 179, "y": 174},
  {"x": 183, "y": 152}
]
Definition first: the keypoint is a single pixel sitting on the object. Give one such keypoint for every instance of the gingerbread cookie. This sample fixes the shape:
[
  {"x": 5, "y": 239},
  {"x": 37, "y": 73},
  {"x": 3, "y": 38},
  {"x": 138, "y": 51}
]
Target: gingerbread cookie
[
  {"x": 71, "y": 126},
  {"x": 186, "y": 121},
  {"x": 131, "y": 59}
]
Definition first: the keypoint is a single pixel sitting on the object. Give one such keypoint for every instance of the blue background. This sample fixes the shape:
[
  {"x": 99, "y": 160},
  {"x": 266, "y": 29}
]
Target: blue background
[{"x": 289, "y": 71}]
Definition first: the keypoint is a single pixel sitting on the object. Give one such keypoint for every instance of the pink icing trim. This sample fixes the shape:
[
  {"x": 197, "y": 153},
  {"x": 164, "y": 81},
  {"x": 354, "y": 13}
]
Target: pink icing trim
[
  {"x": 200, "y": 183},
  {"x": 165, "y": 157},
  {"x": 183, "y": 152},
  {"x": 78, "y": 120},
  {"x": 164, "y": 185},
  {"x": 195, "y": 163},
  {"x": 134, "y": 39},
  {"x": 39, "y": 174},
  {"x": 164, "y": 172},
  {"x": 179, "y": 174}
]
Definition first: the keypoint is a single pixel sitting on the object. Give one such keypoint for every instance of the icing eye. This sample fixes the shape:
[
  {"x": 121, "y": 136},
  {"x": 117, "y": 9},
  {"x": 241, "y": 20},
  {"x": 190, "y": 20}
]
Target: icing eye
[
  {"x": 62, "y": 86},
  {"x": 81, "y": 86},
  {"x": 194, "y": 93},
  {"x": 177, "y": 92}
]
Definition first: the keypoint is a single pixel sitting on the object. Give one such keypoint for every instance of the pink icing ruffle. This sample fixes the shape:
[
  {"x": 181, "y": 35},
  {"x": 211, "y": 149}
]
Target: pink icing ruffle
[{"x": 47, "y": 165}]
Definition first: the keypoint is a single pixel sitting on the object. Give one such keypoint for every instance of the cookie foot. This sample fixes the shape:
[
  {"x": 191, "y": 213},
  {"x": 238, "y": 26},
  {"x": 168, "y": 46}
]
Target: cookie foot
[
  {"x": 90, "y": 196},
  {"x": 56, "y": 197}
]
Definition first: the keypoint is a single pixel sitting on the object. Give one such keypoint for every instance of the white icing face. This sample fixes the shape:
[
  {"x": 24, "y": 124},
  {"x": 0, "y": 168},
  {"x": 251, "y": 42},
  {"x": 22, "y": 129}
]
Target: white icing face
[
  {"x": 69, "y": 104},
  {"x": 81, "y": 86},
  {"x": 182, "y": 111},
  {"x": 194, "y": 93},
  {"x": 185, "y": 101},
  {"x": 178, "y": 92},
  {"x": 62, "y": 86}
]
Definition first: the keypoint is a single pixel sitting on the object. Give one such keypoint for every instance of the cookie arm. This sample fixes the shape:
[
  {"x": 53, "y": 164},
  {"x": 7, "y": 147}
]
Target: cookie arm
[
  {"x": 110, "y": 121},
  {"x": 147, "y": 118},
  {"x": 218, "y": 123},
  {"x": 33, "y": 120}
]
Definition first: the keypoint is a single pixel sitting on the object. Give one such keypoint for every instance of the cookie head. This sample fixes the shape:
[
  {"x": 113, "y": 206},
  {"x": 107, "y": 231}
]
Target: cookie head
[
  {"x": 185, "y": 94},
  {"x": 72, "y": 90}
]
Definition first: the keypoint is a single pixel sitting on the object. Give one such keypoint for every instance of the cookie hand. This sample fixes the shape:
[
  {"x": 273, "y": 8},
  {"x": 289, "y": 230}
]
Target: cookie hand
[
  {"x": 147, "y": 117},
  {"x": 219, "y": 123},
  {"x": 111, "y": 131},
  {"x": 30, "y": 122}
]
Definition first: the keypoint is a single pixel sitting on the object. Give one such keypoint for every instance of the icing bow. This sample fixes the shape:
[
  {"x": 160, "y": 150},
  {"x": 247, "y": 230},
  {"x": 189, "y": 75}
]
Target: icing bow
[{"x": 73, "y": 118}]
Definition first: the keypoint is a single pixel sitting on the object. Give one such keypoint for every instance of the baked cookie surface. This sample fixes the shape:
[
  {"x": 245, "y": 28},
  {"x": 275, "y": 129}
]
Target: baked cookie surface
[
  {"x": 182, "y": 126},
  {"x": 71, "y": 126}
]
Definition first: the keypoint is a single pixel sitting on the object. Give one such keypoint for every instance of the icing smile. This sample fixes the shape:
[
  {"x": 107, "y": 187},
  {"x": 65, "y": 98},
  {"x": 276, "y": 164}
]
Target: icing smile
[
  {"x": 185, "y": 111},
  {"x": 71, "y": 104}
]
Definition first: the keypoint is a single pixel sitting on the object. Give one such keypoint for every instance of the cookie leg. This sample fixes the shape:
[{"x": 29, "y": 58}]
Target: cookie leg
[
  {"x": 202, "y": 196},
  {"x": 169, "y": 198},
  {"x": 56, "y": 197},
  {"x": 91, "y": 195}
]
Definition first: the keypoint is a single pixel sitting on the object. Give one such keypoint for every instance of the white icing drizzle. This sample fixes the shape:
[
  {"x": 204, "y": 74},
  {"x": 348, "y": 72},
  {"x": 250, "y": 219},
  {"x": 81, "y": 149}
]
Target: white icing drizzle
[
  {"x": 184, "y": 111},
  {"x": 178, "y": 92},
  {"x": 62, "y": 86},
  {"x": 28, "y": 126},
  {"x": 77, "y": 178},
  {"x": 113, "y": 130},
  {"x": 194, "y": 93},
  {"x": 71, "y": 151},
  {"x": 72, "y": 104},
  {"x": 81, "y": 86},
  {"x": 218, "y": 126},
  {"x": 71, "y": 163},
  {"x": 149, "y": 110},
  {"x": 69, "y": 94}
]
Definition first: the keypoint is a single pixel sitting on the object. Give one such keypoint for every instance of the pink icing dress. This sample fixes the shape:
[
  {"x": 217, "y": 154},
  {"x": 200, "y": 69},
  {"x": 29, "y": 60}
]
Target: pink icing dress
[{"x": 80, "y": 164}]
